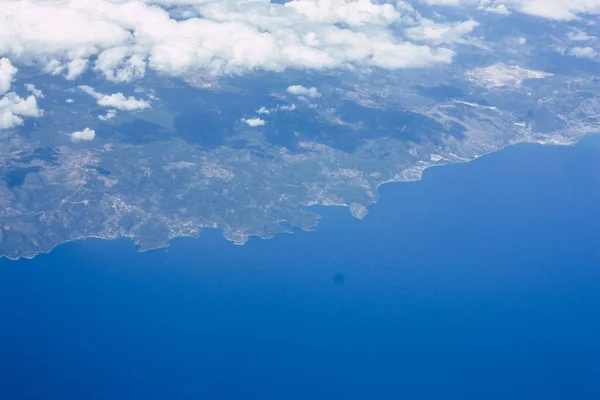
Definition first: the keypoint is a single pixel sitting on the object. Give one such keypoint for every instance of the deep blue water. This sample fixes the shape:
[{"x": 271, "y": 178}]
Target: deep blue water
[{"x": 480, "y": 282}]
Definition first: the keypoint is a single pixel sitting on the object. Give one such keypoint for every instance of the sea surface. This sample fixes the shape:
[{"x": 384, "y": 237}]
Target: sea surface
[{"x": 482, "y": 281}]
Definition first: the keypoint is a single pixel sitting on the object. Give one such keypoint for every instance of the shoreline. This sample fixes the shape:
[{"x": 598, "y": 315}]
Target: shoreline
[{"x": 419, "y": 176}]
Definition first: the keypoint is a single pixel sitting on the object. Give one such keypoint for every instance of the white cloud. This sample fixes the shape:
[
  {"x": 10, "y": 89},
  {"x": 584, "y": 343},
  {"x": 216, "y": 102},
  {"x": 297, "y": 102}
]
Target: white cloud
[
  {"x": 122, "y": 39},
  {"x": 583, "y": 52},
  {"x": 501, "y": 75},
  {"x": 13, "y": 108},
  {"x": 7, "y": 74},
  {"x": 75, "y": 68},
  {"x": 110, "y": 114},
  {"x": 69, "y": 101},
  {"x": 121, "y": 64},
  {"x": 561, "y": 10},
  {"x": 579, "y": 36},
  {"x": 253, "y": 121},
  {"x": 291, "y": 107},
  {"x": 9, "y": 120},
  {"x": 53, "y": 67},
  {"x": 34, "y": 91},
  {"x": 353, "y": 13},
  {"x": 299, "y": 90},
  {"x": 116, "y": 100},
  {"x": 558, "y": 9},
  {"x": 439, "y": 34},
  {"x": 498, "y": 9},
  {"x": 21, "y": 106},
  {"x": 278, "y": 107},
  {"x": 86, "y": 134}
]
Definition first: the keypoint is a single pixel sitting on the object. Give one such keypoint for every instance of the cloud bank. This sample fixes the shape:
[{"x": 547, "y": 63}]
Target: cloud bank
[{"x": 122, "y": 39}]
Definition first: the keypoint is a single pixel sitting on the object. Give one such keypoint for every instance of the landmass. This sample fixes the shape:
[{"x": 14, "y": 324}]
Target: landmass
[{"x": 150, "y": 179}]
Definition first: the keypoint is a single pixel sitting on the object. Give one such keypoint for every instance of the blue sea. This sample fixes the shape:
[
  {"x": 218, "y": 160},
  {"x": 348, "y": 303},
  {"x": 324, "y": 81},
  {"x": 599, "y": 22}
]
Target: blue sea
[{"x": 482, "y": 281}]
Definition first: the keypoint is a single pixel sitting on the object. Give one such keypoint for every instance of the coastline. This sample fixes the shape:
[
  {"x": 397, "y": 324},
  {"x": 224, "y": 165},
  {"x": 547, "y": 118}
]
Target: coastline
[{"x": 416, "y": 174}]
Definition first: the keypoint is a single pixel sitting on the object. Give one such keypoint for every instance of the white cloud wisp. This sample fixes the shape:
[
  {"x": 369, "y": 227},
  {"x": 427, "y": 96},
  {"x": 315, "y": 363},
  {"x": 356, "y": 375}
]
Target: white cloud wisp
[
  {"x": 299, "y": 90},
  {"x": 254, "y": 122},
  {"x": 560, "y": 10},
  {"x": 116, "y": 100}
]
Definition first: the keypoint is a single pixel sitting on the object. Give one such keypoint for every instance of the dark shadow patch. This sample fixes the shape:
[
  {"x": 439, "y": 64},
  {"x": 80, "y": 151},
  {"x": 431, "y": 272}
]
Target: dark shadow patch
[
  {"x": 29, "y": 126},
  {"x": 543, "y": 120},
  {"x": 441, "y": 92},
  {"x": 287, "y": 129},
  {"x": 203, "y": 127},
  {"x": 99, "y": 170},
  {"x": 238, "y": 144},
  {"x": 46, "y": 154},
  {"x": 339, "y": 278},
  {"x": 16, "y": 177},
  {"x": 140, "y": 132},
  {"x": 402, "y": 125},
  {"x": 559, "y": 64}
]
